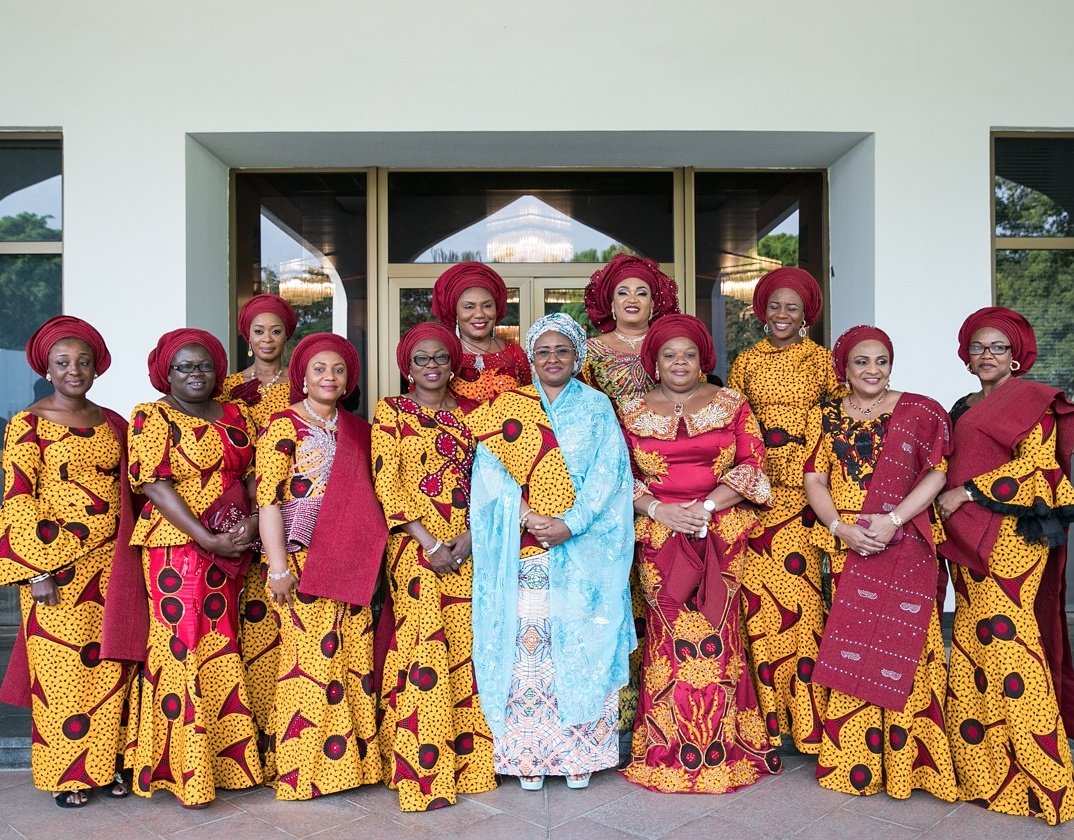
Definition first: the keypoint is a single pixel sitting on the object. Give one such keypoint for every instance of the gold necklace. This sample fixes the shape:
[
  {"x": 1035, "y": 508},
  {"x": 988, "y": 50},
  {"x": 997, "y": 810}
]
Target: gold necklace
[
  {"x": 867, "y": 411},
  {"x": 263, "y": 387}
]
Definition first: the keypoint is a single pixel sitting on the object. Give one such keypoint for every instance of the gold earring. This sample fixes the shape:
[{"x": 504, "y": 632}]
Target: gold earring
[
  {"x": 410, "y": 378},
  {"x": 1015, "y": 366},
  {"x": 250, "y": 352},
  {"x": 803, "y": 331},
  {"x": 767, "y": 330}
]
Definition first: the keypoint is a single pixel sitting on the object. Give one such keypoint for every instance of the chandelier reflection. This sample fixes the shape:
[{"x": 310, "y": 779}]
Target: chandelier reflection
[
  {"x": 529, "y": 230},
  {"x": 306, "y": 287}
]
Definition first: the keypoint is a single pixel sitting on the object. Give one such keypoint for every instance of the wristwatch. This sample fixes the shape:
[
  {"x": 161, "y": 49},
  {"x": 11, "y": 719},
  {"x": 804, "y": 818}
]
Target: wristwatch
[{"x": 709, "y": 505}]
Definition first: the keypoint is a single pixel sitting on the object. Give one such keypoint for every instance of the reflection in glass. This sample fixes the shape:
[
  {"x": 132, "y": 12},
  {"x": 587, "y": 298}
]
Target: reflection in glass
[
  {"x": 748, "y": 224},
  {"x": 528, "y": 217},
  {"x": 572, "y": 302},
  {"x": 29, "y": 295},
  {"x": 31, "y": 191},
  {"x": 415, "y": 306},
  {"x": 1034, "y": 188},
  {"x": 1040, "y": 285}
]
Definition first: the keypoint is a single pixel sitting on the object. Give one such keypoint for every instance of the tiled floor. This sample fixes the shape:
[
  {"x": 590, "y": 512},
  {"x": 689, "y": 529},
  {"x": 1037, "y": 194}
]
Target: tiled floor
[{"x": 792, "y": 805}]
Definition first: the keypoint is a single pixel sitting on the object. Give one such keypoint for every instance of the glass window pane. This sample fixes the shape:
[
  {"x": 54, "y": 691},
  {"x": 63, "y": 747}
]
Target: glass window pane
[
  {"x": 528, "y": 217},
  {"x": 302, "y": 235},
  {"x": 1034, "y": 189},
  {"x": 747, "y": 224},
  {"x": 29, "y": 296},
  {"x": 415, "y": 306},
  {"x": 31, "y": 192},
  {"x": 571, "y": 301},
  {"x": 1040, "y": 285}
]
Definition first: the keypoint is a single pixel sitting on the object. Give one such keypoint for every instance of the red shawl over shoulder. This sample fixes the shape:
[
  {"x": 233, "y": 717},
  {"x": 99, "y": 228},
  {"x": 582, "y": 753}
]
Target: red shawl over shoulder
[
  {"x": 878, "y": 624},
  {"x": 984, "y": 438}
]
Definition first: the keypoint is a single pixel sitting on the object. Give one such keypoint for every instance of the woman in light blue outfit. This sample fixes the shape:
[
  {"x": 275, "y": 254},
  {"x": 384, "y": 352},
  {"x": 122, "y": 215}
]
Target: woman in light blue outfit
[{"x": 553, "y": 539}]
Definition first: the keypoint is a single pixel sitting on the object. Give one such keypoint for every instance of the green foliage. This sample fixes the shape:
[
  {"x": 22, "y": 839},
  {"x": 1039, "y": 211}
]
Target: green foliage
[
  {"x": 779, "y": 246},
  {"x": 590, "y": 255},
  {"x": 29, "y": 283},
  {"x": 1022, "y": 211},
  {"x": 27, "y": 227}
]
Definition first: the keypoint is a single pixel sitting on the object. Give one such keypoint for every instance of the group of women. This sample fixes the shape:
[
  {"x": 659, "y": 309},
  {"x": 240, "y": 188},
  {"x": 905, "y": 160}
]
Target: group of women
[{"x": 578, "y": 537}]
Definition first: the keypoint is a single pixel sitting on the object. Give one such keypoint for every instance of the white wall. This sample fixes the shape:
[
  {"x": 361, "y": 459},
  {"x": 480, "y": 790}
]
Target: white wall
[{"x": 922, "y": 82}]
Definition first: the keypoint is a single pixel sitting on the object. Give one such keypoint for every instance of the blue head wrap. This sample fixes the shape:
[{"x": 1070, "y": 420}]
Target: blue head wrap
[{"x": 566, "y": 326}]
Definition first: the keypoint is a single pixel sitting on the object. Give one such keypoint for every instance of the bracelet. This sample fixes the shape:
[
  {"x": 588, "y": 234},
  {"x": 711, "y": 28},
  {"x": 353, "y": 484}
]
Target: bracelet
[
  {"x": 439, "y": 544},
  {"x": 279, "y": 575},
  {"x": 833, "y": 526},
  {"x": 969, "y": 493},
  {"x": 522, "y": 519},
  {"x": 651, "y": 510},
  {"x": 41, "y": 577},
  {"x": 896, "y": 520}
]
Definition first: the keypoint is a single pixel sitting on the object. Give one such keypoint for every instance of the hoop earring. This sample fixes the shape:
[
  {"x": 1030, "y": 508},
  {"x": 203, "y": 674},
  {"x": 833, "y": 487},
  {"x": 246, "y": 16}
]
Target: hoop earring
[
  {"x": 803, "y": 331},
  {"x": 1015, "y": 366},
  {"x": 766, "y": 329},
  {"x": 451, "y": 375},
  {"x": 305, "y": 387}
]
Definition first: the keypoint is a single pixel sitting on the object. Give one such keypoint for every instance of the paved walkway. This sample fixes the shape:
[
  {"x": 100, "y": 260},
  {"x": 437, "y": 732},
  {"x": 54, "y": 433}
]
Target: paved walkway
[{"x": 791, "y": 805}]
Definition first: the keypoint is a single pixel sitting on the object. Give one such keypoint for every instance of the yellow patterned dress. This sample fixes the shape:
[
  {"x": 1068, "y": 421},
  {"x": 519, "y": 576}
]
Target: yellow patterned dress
[
  {"x": 61, "y": 507},
  {"x": 259, "y": 631},
  {"x": 866, "y": 748},
  {"x": 622, "y": 377},
  {"x": 1010, "y": 747},
  {"x": 781, "y": 590},
  {"x": 195, "y": 731},
  {"x": 698, "y": 727},
  {"x": 434, "y": 739},
  {"x": 325, "y": 717}
]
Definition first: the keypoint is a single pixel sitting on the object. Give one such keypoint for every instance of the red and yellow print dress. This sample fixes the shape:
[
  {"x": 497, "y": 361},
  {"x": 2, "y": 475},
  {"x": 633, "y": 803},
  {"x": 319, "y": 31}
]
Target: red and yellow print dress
[
  {"x": 698, "y": 728},
  {"x": 434, "y": 740},
  {"x": 782, "y": 585},
  {"x": 482, "y": 376},
  {"x": 324, "y": 725},
  {"x": 865, "y": 748},
  {"x": 60, "y": 512},
  {"x": 1010, "y": 747},
  {"x": 194, "y": 728},
  {"x": 259, "y": 633}
]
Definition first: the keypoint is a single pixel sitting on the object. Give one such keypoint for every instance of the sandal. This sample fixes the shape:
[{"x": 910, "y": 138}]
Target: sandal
[
  {"x": 531, "y": 782},
  {"x": 119, "y": 788},
  {"x": 71, "y": 798},
  {"x": 578, "y": 782}
]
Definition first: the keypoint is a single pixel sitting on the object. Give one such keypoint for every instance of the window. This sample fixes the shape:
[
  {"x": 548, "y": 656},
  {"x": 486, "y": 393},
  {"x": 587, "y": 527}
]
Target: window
[{"x": 1033, "y": 237}]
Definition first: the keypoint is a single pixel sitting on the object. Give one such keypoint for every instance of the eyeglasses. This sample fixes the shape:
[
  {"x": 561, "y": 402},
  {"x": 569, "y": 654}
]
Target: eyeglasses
[
  {"x": 189, "y": 367},
  {"x": 995, "y": 348},
  {"x": 561, "y": 353},
  {"x": 423, "y": 359}
]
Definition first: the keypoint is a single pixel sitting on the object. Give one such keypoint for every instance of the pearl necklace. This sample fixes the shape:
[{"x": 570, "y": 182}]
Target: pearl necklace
[
  {"x": 867, "y": 411},
  {"x": 632, "y": 343},
  {"x": 329, "y": 423},
  {"x": 263, "y": 387}
]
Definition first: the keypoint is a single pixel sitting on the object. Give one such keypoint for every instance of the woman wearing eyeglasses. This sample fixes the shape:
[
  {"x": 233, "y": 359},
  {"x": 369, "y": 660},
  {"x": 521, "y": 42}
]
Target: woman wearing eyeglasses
[
  {"x": 434, "y": 740},
  {"x": 191, "y": 457},
  {"x": 1010, "y": 704},
  {"x": 553, "y": 545}
]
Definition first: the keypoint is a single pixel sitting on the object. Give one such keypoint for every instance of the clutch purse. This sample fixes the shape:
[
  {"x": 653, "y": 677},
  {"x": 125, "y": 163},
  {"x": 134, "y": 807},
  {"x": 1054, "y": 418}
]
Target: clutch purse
[{"x": 221, "y": 516}]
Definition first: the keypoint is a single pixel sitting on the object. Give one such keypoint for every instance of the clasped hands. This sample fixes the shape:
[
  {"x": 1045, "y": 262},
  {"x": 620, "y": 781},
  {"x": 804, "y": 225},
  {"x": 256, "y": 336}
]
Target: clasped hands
[
  {"x": 871, "y": 539},
  {"x": 240, "y": 538},
  {"x": 689, "y": 518},
  {"x": 449, "y": 554},
  {"x": 547, "y": 530}
]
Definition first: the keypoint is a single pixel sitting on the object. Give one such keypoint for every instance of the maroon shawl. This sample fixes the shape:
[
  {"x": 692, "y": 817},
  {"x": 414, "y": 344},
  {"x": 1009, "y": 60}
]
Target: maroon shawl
[
  {"x": 348, "y": 542},
  {"x": 16, "y": 687},
  {"x": 985, "y": 437},
  {"x": 878, "y": 624}
]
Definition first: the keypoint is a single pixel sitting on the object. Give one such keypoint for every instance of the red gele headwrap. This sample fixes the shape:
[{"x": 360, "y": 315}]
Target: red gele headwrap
[
  {"x": 452, "y": 283},
  {"x": 851, "y": 339},
  {"x": 160, "y": 357},
  {"x": 61, "y": 327},
  {"x": 316, "y": 343},
  {"x": 258, "y": 305},
  {"x": 799, "y": 281},
  {"x": 677, "y": 326},
  {"x": 1013, "y": 325},
  {"x": 419, "y": 333},
  {"x": 601, "y": 286}
]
